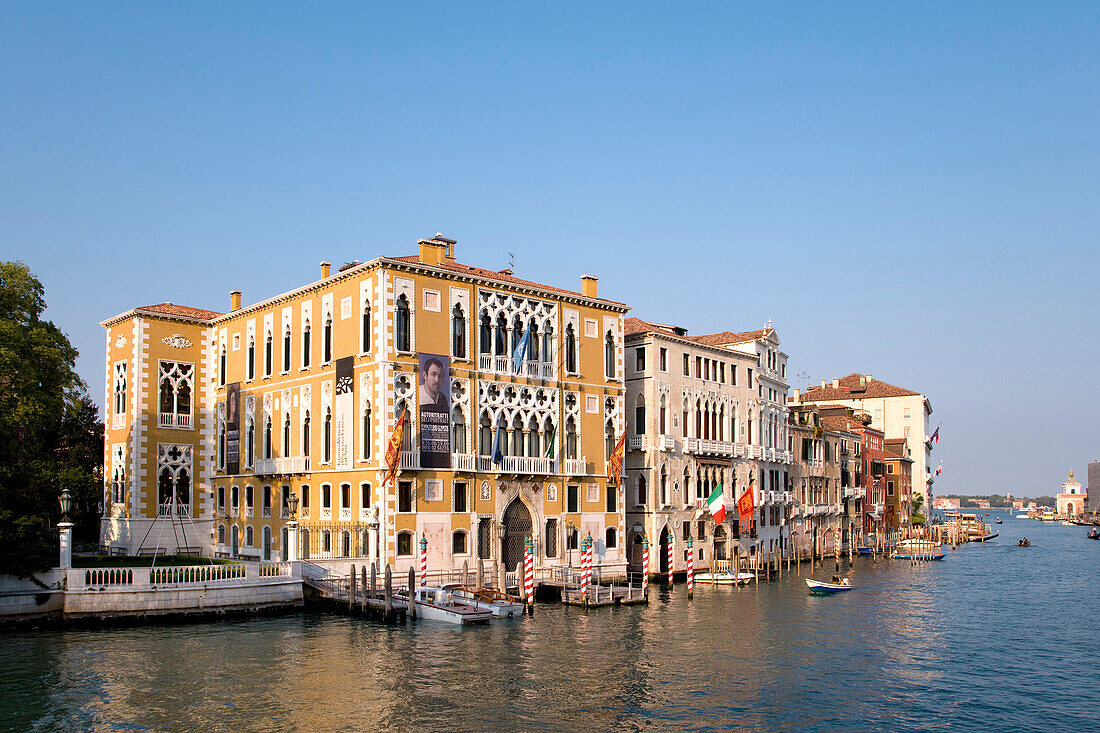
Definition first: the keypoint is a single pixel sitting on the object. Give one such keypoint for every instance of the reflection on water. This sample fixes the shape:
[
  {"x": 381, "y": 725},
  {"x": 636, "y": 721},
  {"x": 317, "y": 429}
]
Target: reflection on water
[{"x": 992, "y": 637}]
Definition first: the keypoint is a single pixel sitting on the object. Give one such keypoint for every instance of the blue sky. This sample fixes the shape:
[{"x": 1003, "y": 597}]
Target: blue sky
[{"x": 905, "y": 189}]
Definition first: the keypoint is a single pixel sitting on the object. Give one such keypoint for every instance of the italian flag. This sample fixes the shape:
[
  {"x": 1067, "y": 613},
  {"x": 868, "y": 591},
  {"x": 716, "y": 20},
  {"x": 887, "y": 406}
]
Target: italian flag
[{"x": 716, "y": 505}]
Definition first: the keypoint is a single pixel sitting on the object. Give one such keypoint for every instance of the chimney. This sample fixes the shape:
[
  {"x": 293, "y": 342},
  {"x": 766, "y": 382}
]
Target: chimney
[
  {"x": 836, "y": 383},
  {"x": 869, "y": 380},
  {"x": 436, "y": 249},
  {"x": 234, "y": 300},
  {"x": 823, "y": 384},
  {"x": 326, "y": 269},
  {"x": 588, "y": 285},
  {"x": 794, "y": 395}
]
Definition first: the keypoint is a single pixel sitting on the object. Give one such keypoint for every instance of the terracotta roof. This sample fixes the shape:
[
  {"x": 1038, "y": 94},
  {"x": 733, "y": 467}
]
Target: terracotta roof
[
  {"x": 171, "y": 309},
  {"x": 730, "y": 337},
  {"x": 846, "y": 424},
  {"x": 636, "y": 325},
  {"x": 849, "y": 389},
  {"x": 497, "y": 276}
]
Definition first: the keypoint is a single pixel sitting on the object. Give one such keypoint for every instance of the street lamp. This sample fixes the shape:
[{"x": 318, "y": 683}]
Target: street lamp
[
  {"x": 290, "y": 552},
  {"x": 65, "y": 530}
]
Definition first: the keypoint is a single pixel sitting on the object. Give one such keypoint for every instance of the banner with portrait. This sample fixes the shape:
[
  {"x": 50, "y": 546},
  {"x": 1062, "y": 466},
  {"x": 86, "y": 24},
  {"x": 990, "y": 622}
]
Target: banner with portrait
[{"x": 435, "y": 411}]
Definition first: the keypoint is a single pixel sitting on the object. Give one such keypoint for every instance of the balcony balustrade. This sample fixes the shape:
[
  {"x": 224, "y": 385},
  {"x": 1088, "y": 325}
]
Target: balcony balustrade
[
  {"x": 177, "y": 509},
  {"x": 174, "y": 420},
  {"x": 410, "y": 459},
  {"x": 532, "y": 465},
  {"x": 464, "y": 462},
  {"x": 505, "y": 366},
  {"x": 637, "y": 442},
  {"x": 284, "y": 466},
  {"x": 575, "y": 467},
  {"x": 738, "y": 450},
  {"x": 668, "y": 442}
]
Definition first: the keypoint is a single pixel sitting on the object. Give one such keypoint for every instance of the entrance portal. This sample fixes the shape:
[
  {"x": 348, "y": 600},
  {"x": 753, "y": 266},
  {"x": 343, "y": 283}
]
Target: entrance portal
[
  {"x": 517, "y": 528},
  {"x": 666, "y": 537}
]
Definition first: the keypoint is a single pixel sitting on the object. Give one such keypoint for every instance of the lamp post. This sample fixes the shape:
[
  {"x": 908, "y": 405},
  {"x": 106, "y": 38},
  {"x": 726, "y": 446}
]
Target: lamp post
[
  {"x": 65, "y": 528},
  {"x": 291, "y": 550},
  {"x": 501, "y": 570}
]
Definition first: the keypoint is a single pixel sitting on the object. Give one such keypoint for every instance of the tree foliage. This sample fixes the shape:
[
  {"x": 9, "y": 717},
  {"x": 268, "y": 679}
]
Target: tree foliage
[{"x": 50, "y": 433}]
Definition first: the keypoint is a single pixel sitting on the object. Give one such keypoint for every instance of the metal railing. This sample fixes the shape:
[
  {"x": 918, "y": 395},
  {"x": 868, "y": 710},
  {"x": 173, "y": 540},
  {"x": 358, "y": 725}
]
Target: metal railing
[{"x": 503, "y": 364}]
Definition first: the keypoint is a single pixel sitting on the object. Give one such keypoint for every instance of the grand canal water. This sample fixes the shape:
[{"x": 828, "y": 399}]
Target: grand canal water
[{"x": 995, "y": 637}]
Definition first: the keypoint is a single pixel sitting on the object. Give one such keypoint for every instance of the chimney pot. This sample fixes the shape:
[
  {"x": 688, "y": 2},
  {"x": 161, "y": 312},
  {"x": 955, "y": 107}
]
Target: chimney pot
[
  {"x": 836, "y": 383},
  {"x": 434, "y": 250},
  {"x": 823, "y": 384},
  {"x": 234, "y": 300},
  {"x": 326, "y": 269},
  {"x": 588, "y": 285}
]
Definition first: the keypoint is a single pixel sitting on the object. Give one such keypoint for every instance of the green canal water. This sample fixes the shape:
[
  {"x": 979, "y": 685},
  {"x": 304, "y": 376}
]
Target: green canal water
[{"x": 994, "y": 637}]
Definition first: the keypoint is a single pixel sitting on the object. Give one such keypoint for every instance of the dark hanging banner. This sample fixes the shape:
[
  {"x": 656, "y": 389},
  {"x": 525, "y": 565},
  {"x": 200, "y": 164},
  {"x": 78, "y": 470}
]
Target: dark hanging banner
[
  {"x": 232, "y": 428},
  {"x": 344, "y": 411},
  {"x": 435, "y": 411}
]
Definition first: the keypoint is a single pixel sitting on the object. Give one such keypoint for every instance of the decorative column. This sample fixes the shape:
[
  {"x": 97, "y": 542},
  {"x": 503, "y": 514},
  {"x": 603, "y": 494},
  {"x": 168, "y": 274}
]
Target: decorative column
[{"x": 65, "y": 529}]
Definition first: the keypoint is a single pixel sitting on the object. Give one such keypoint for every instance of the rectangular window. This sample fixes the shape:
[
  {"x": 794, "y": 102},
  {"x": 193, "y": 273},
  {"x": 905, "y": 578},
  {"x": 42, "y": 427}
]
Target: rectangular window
[
  {"x": 686, "y": 530},
  {"x": 305, "y": 497},
  {"x": 906, "y": 415},
  {"x": 484, "y": 538},
  {"x": 364, "y": 496},
  {"x": 612, "y": 499},
  {"x": 722, "y": 372},
  {"x": 326, "y": 496},
  {"x": 345, "y": 496},
  {"x": 460, "y": 496},
  {"x": 698, "y": 367},
  {"x": 572, "y": 498},
  {"x": 404, "y": 496},
  {"x": 702, "y": 529},
  {"x": 639, "y": 360},
  {"x": 235, "y": 497},
  {"x": 221, "y": 498},
  {"x": 551, "y": 543},
  {"x": 733, "y": 374},
  {"x": 687, "y": 364},
  {"x": 664, "y": 360},
  {"x": 248, "y": 497},
  {"x": 889, "y": 488},
  {"x": 267, "y": 501}
]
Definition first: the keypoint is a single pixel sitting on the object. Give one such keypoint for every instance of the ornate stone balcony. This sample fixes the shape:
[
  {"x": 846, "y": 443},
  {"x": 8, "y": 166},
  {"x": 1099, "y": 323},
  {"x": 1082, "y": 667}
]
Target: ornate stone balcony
[{"x": 281, "y": 466}]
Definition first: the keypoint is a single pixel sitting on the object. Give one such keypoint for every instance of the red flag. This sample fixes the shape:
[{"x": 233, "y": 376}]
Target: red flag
[
  {"x": 615, "y": 462},
  {"x": 746, "y": 505},
  {"x": 393, "y": 450}
]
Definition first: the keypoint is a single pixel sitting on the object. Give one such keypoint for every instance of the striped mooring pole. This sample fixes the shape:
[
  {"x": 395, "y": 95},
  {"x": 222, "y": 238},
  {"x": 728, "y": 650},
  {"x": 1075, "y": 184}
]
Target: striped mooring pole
[
  {"x": 691, "y": 566},
  {"x": 586, "y": 567},
  {"x": 645, "y": 566},
  {"x": 423, "y": 561},
  {"x": 669, "y": 553},
  {"x": 529, "y": 573}
]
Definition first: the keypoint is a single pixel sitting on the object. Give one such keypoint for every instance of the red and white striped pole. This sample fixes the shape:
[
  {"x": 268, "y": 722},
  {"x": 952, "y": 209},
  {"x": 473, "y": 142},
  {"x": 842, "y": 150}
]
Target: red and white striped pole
[
  {"x": 691, "y": 566},
  {"x": 585, "y": 572},
  {"x": 423, "y": 561},
  {"x": 669, "y": 560},
  {"x": 645, "y": 566},
  {"x": 529, "y": 574}
]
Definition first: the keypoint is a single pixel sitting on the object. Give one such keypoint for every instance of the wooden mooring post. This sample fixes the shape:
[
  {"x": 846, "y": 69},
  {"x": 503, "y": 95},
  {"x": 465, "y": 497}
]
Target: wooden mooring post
[
  {"x": 412, "y": 594},
  {"x": 364, "y": 606},
  {"x": 351, "y": 589},
  {"x": 388, "y": 590}
]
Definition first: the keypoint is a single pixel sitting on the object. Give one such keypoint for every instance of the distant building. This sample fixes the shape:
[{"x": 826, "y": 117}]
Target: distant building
[
  {"x": 897, "y": 412},
  {"x": 980, "y": 503},
  {"x": 944, "y": 502},
  {"x": 1092, "y": 498},
  {"x": 899, "y": 483},
  {"x": 1071, "y": 502}
]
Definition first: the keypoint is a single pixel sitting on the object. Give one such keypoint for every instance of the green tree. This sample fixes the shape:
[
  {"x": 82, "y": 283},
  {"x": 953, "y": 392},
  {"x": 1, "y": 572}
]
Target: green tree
[
  {"x": 50, "y": 435},
  {"x": 916, "y": 516}
]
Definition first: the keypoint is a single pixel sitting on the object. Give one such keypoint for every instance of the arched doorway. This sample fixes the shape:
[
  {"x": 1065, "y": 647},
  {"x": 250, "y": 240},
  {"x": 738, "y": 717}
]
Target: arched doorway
[
  {"x": 636, "y": 554},
  {"x": 517, "y": 528},
  {"x": 666, "y": 538}
]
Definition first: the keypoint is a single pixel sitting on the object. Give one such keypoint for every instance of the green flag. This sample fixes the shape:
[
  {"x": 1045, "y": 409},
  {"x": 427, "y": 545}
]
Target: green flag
[{"x": 550, "y": 442}]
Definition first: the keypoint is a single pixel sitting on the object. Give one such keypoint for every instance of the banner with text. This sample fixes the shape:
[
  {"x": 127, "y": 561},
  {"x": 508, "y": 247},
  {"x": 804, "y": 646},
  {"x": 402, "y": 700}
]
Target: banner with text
[
  {"x": 232, "y": 428},
  {"x": 343, "y": 412}
]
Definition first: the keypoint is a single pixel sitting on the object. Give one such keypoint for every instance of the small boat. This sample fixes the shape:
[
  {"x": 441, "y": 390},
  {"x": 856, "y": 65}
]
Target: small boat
[
  {"x": 819, "y": 588},
  {"x": 988, "y": 537},
  {"x": 919, "y": 550},
  {"x": 501, "y": 605},
  {"x": 997, "y": 520},
  {"x": 1094, "y": 534},
  {"x": 1024, "y": 542},
  {"x": 724, "y": 577},
  {"x": 437, "y": 604},
  {"x": 1022, "y": 516}
]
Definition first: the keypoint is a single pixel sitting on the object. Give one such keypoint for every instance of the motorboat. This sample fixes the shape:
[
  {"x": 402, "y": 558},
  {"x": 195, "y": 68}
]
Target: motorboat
[
  {"x": 997, "y": 520},
  {"x": 724, "y": 577},
  {"x": 1022, "y": 516},
  {"x": 501, "y": 605},
  {"x": 439, "y": 604},
  {"x": 1024, "y": 542},
  {"x": 818, "y": 587},
  {"x": 1094, "y": 534},
  {"x": 919, "y": 550}
]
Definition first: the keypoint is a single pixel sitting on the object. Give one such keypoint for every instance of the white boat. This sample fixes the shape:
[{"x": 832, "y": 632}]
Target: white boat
[
  {"x": 437, "y": 604},
  {"x": 724, "y": 578},
  {"x": 918, "y": 550},
  {"x": 501, "y": 605},
  {"x": 1022, "y": 516},
  {"x": 817, "y": 586}
]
